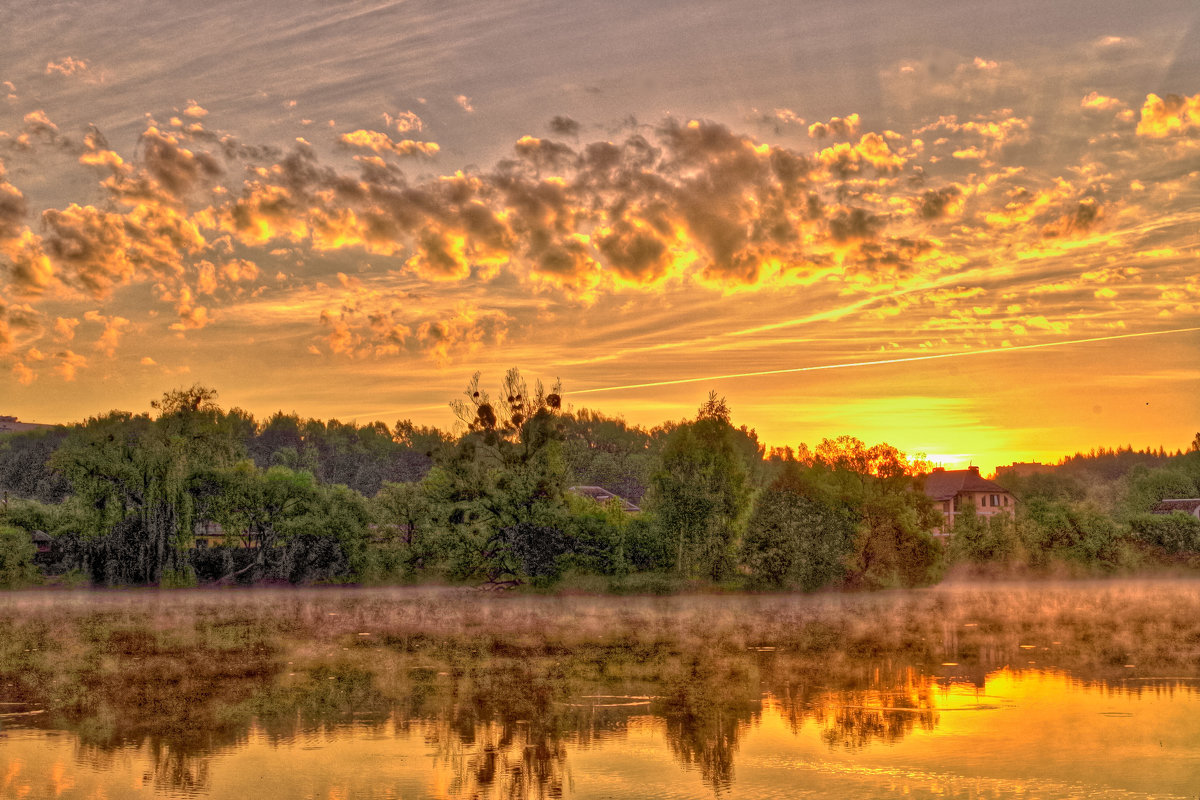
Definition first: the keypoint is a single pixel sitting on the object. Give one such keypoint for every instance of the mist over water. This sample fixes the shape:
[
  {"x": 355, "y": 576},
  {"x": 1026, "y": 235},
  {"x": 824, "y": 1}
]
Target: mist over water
[{"x": 1086, "y": 689}]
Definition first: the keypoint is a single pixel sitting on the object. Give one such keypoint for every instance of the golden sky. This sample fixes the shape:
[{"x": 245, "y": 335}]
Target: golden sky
[{"x": 987, "y": 222}]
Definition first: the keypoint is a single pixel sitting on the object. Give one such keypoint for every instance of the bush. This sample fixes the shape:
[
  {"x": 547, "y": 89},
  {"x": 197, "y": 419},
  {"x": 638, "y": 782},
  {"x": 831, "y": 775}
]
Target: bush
[
  {"x": 1175, "y": 534},
  {"x": 795, "y": 542},
  {"x": 16, "y": 558}
]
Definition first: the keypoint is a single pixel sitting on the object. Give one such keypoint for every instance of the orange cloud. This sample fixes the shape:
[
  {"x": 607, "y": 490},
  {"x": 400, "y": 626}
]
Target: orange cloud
[
  {"x": 1094, "y": 101},
  {"x": 380, "y": 142},
  {"x": 110, "y": 338},
  {"x": 66, "y": 66},
  {"x": 23, "y": 374},
  {"x": 69, "y": 364},
  {"x": 1166, "y": 116},
  {"x": 837, "y": 126}
]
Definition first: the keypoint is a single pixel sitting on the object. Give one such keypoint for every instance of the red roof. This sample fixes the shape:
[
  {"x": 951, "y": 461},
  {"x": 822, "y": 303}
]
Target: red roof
[{"x": 943, "y": 484}]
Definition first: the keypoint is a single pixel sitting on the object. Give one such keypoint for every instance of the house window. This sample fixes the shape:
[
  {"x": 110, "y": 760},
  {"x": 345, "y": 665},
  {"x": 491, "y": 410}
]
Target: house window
[
  {"x": 982, "y": 501},
  {"x": 956, "y": 502},
  {"x": 946, "y": 506},
  {"x": 995, "y": 500}
]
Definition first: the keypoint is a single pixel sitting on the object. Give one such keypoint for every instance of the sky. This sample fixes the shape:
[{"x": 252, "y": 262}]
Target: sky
[{"x": 970, "y": 230}]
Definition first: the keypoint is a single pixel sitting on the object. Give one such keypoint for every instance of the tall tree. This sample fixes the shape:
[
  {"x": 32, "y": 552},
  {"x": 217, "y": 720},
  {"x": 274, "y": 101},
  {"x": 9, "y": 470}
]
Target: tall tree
[
  {"x": 503, "y": 483},
  {"x": 699, "y": 492}
]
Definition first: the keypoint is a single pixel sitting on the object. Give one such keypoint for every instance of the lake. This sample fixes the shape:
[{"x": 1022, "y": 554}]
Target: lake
[{"x": 1039, "y": 691}]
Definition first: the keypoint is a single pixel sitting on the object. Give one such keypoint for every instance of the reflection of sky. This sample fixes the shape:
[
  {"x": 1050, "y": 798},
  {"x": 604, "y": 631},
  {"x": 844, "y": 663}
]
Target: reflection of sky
[
  {"x": 1037, "y": 733},
  {"x": 970, "y": 177}
]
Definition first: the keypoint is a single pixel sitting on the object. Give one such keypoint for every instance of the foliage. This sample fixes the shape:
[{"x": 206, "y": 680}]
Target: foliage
[
  {"x": 978, "y": 539},
  {"x": 25, "y": 470},
  {"x": 1080, "y": 533},
  {"x": 1174, "y": 534},
  {"x": 699, "y": 493},
  {"x": 16, "y": 558},
  {"x": 794, "y": 541},
  {"x": 502, "y": 485}
]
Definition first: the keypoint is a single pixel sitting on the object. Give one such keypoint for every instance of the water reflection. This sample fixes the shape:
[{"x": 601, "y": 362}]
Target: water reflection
[
  {"x": 511, "y": 730},
  {"x": 220, "y": 708}
]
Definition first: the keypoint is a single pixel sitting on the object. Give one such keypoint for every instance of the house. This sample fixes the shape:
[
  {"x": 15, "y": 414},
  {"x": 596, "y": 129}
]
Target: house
[
  {"x": 10, "y": 424},
  {"x": 1189, "y": 505},
  {"x": 1022, "y": 469},
  {"x": 952, "y": 490},
  {"x": 207, "y": 533},
  {"x": 602, "y": 496},
  {"x": 41, "y": 541}
]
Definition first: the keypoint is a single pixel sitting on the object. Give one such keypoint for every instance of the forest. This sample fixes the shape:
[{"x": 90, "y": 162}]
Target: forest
[{"x": 189, "y": 493}]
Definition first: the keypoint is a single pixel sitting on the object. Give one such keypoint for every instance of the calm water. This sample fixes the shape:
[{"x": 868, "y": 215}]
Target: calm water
[
  {"x": 1077, "y": 692},
  {"x": 1012, "y": 734}
]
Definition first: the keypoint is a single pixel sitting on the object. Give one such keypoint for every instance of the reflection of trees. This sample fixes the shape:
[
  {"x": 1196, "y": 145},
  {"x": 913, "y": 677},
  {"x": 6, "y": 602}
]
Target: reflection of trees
[
  {"x": 856, "y": 719},
  {"x": 706, "y": 707},
  {"x": 875, "y": 705}
]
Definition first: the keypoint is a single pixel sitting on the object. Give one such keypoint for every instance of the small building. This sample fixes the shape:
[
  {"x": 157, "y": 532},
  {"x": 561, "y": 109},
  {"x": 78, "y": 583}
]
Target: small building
[
  {"x": 952, "y": 490},
  {"x": 10, "y": 424},
  {"x": 1189, "y": 505},
  {"x": 41, "y": 541},
  {"x": 602, "y": 496},
  {"x": 1022, "y": 469},
  {"x": 207, "y": 533}
]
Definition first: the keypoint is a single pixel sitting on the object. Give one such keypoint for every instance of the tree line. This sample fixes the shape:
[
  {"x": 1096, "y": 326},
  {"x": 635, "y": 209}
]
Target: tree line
[{"x": 123, "y": 497}]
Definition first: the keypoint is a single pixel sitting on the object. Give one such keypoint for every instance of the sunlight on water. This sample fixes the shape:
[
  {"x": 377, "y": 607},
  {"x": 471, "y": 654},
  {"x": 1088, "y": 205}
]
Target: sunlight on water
[{"x": 1026, "y": 734}]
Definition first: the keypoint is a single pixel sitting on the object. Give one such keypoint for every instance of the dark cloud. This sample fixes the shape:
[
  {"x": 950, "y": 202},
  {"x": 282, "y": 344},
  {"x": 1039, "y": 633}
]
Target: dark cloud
[
  {"x": 935, "y": 201},
  {"x": 563, "y": 126},
  {"x": 854, "y": 224}
]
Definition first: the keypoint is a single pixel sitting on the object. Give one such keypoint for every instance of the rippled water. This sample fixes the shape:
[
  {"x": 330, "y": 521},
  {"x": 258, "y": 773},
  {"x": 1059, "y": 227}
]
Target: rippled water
[{"x": 653, "y": 700}]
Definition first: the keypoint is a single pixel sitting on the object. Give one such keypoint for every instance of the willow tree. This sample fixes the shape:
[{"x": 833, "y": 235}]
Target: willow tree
[{"x": 134, "y": 475}]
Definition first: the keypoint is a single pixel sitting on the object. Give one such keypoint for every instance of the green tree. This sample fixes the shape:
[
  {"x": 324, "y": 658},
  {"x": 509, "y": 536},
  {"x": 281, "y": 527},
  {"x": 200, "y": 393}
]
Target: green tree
[
  {"x": 406, "y": 540},
  {"x": 699, "y": 493},
  {"x": 501, "y": 487},
  {"x": 893, "y": 517},
  {"x": 794, "y": 541},
  {"x": 980, "y": 539},
  {"x": 134, "y": 474}
]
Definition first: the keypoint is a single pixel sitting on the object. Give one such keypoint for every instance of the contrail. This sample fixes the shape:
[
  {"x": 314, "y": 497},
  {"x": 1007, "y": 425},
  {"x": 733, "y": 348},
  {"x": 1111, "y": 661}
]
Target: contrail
[{"x": 882, "y": 361}]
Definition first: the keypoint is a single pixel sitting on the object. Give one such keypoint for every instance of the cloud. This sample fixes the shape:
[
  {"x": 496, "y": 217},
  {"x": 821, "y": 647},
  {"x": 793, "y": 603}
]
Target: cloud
[
  {"x": 24, "y": 375},
  {"x": 110, "y": 337},
  {"x": 195, "y": 110},
  {"x": 404, "y": 122},
  {"x": 99, "y": 250},
  {"x": 563, "y": 126},
  {"x": 69, "y": 364},
  {"x": 1094, "y": 101},
  {"x": 380, "y": 142},
  {"x": 1170, "y": 115},
  {"x": 64, "y": 328},
  {"x": 837, "y": 126},
  {"x": 378, "y": 324},
  {"x": 465, "y": 103},
  {"x": 19, "y": 324},
  {"x": 66, "y": 66}
]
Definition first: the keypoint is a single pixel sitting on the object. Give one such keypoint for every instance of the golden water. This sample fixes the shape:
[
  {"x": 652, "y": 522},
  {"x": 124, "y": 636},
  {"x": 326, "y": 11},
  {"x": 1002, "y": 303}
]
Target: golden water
[{"x": 1029, "y": 734}]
